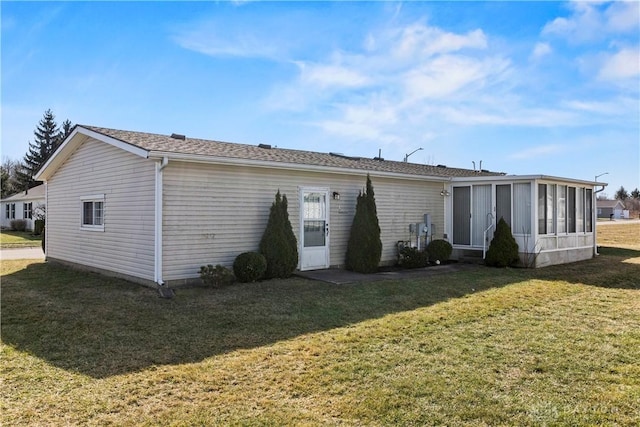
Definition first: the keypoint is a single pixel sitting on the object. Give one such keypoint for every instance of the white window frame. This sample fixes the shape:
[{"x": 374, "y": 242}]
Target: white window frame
[
  {"x": 27, "y": 210},
  {"x": 96, "y": 198},
  {"x": 12, "y": 211}
]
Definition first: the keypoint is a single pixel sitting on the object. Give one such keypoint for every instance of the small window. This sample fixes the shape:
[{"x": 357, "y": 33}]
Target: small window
[
  {"x": 7, "y": 211},
  {"x": 28, "y": 211},
  {"x": 12, "y": 214},
  {"x": 93, "y": 213}
]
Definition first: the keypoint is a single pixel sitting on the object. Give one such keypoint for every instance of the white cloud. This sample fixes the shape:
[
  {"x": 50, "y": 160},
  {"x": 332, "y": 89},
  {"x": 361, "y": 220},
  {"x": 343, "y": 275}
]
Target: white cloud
[
  {"x": 448, "y": 75},
  {"x": 540, "y": 50},
  {"x": 422, "y": 40},
  {"x": 591, "y": 21},
  {"x": 623, "y": 16},
  {"x": 621, "y": 65},
  {"x": 206, "y": 41},
  {"x": 330, "y": 75},
  {"x": 538, "y": 151}
]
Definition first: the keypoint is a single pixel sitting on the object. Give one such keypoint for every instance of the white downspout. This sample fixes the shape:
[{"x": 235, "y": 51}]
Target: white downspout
[
  {"x": 46, "y": 209},
  {"x": 594, "y": 218},
  {"x": 158, "y": 221}
]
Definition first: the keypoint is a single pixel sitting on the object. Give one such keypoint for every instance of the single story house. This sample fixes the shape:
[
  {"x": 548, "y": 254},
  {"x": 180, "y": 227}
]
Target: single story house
[
  {"x": 154, "y": 208},
  {"x": 27, "y": 205},
  {"x": 611, "y": 209}
]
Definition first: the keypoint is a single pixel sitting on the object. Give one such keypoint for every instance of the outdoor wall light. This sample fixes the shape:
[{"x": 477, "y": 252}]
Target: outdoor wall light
[
  {"x": 445, "y": 193},
  {"x": 336, "y": 195}
]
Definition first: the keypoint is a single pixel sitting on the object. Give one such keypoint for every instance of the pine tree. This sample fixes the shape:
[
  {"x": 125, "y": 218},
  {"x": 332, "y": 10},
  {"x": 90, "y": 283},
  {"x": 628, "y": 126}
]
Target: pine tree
[
  {"x": 47, "y": 137},
  {"x": 621, "y": 194},
  {"x": 278, "y": 244},
  {"x": 364, "y": 249}
]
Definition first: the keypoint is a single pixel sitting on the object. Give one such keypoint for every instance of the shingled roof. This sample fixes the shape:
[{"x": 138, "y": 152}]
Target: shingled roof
[{"x": 178, "y": 144}]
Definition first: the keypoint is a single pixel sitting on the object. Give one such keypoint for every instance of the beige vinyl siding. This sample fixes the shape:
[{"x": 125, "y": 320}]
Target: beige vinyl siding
[
  {"x": 212, "y": 213},
  {"x": 127, "y": 181}
]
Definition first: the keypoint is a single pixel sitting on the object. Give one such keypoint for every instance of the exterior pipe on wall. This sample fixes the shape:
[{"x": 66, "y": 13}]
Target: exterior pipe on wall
[
  {"x": 158, "y": 221},
  {"x": 594, "y": 217}
]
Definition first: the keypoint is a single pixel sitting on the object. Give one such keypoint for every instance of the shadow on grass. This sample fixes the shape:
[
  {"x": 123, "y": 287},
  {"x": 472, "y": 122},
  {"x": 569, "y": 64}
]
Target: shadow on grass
[{"x": 102, "y": 326}]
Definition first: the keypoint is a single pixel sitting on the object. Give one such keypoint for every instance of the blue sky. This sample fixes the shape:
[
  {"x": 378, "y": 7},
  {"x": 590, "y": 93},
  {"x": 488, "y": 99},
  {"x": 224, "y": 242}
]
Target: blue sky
[{"x": 528, "y": 88}]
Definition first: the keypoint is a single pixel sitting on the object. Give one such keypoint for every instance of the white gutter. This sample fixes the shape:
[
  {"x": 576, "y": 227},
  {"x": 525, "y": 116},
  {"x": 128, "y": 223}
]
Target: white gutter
[
  {"x": 553, "y": 179},
  {"x": 157, "y": 276}
]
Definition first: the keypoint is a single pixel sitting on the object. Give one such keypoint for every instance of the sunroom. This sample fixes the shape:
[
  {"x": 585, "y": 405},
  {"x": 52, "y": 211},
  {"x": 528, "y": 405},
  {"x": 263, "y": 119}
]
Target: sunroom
[{"x": 551, "y": 218}]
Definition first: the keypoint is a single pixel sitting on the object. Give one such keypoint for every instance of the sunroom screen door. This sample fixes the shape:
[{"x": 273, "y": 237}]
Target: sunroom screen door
[
  {"x": 461, "y": 215},
  {"x": 314, "y": 229}
]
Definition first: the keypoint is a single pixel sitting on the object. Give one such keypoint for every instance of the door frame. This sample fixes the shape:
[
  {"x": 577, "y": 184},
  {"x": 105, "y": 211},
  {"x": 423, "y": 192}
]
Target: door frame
[{"x": 326, "y": 248}]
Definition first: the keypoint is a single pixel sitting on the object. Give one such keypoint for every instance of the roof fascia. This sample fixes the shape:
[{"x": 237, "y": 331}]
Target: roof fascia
[
  {"x": 73, "y": 141},
  {"x": 22, "y": 197},
  {"x": 527, "y": 178},
  {"x": 194, "y": 158}
]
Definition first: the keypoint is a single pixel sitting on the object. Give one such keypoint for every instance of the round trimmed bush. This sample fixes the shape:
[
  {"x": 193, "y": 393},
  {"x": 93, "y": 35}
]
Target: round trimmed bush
[
  {"x": 249, "y": 266},
  {"x": 439, "y": 250}
]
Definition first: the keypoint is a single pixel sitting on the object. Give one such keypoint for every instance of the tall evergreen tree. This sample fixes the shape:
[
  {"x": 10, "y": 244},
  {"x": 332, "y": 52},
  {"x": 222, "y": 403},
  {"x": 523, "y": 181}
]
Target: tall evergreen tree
[
  {"x": 278, "y": 243},
  {"x": 621, "y": 194},
  {"x": 364, "y": 249},
  {"x": 47, "y": 137}
]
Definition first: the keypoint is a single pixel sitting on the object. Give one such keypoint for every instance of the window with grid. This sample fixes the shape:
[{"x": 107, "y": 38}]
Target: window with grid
[
  {"x": 28, "y": 210},
  {"x": 93, "y": 213}
]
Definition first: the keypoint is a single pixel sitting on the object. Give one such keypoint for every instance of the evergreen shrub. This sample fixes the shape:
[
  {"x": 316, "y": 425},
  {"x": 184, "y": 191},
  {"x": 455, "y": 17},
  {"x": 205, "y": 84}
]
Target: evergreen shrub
[
  {"x": 413, "y": 258},
  {"x": 503, "y": 251},
  {"x": 278, "y": 244},
  {"x": 439, "y": 250},
  {"x": 217, "y": 276},
  {"x": 249, "y": 266},
  {"x": 364, "y": 249}
]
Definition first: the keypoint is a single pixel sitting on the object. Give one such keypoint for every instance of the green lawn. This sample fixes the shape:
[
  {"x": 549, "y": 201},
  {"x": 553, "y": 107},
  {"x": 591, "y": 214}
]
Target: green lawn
[
  {"x": 554, "y": 346},
  {"x": 19, "y": 239}
]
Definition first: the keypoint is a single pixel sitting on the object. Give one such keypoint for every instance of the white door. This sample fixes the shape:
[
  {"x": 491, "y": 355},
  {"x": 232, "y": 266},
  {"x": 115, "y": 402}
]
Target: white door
[{"x": 314, "y": 229}]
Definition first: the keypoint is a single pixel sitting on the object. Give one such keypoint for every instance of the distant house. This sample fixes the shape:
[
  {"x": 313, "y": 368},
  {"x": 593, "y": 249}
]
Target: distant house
[
  {"x": 611, "y": 209},
  {"x": 24, "y": 205},
  {"x": 154, "y": 208}
]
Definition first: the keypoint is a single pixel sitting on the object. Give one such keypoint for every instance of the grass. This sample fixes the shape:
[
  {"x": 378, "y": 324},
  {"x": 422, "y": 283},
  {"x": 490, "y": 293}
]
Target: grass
[
  {"x": 619, "y": 235},
  {"x": 554, "y": 346},
  {"x": 19, "y": 239}
]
